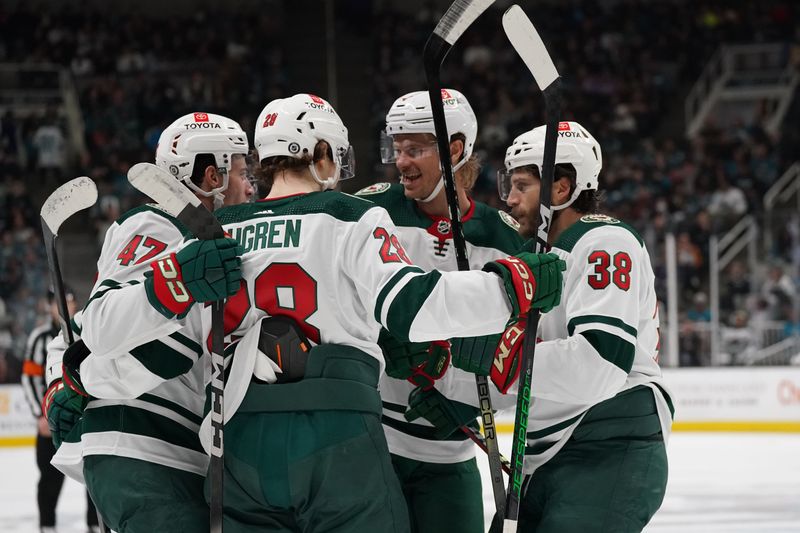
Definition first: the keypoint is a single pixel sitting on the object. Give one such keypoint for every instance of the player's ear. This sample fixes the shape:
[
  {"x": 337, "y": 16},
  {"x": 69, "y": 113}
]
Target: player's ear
[
  {"x": 561, "y": 191},
  {"x": 456, "y": 150},
  {"x": 211, "y": 178}
]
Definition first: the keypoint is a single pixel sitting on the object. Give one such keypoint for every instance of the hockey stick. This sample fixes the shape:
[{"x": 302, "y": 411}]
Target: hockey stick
[
  {"x": 459, "y": 16},
  {"x": 480, "y": 442},
  {"x": 75, "y": 195},
  {"x": 71, "y": 197},
  {"x": 531, "y": 49},
  {"x": 175, "y": 198}
]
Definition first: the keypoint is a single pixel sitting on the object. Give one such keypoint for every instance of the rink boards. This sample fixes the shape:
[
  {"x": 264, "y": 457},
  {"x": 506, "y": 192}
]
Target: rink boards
[{"x": 706, "y": 399}]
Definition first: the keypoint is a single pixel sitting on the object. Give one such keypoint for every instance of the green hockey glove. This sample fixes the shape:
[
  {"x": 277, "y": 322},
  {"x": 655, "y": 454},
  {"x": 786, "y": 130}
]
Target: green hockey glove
[
  {"x": 63, "y": 408},
  {"x": 203, "y": 271},
  {"x": 496, "y": 356},
  {"x": 421, "y": 363},
  {"x": 446, "y": 415},
  {"x": 531, "y": 280}
]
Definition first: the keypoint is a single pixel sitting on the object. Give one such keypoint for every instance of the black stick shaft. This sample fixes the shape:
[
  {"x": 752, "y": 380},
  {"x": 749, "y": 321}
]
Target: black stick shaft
[
  {"x": 552, "y": 98},
  {"x": 436, "y": 50}
]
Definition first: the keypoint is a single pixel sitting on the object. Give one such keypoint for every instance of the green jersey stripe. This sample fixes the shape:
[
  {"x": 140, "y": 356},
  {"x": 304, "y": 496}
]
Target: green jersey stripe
[
  {"x": 539, "y": 447},
  {"x": 555, "y": 428},
  {"x": 186, "y": 341},
  {"x": 601, "y": 319},
  {"x": 406, "y": 303},
  {"x": 395, "y": 407},
  {"x": 384, "y": 292},
  {"x": 179, "y": 409},
  {"x": 162, "y": 360},
  {"x": 612, "y": 348},
  {"x": 109, "y": 285},
  {"x": 137, "y": 421},
  {"x": 422, "y": 432}
]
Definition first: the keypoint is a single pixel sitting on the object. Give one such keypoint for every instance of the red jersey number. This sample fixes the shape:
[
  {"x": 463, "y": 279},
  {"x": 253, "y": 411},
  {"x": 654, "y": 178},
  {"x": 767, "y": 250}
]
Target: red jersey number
[
  {"x": 391, "y": 249},
  {"x": 282, "y": 289},
  {"x": 132, "y": 249},
  {"x": 604, "y": 274}
]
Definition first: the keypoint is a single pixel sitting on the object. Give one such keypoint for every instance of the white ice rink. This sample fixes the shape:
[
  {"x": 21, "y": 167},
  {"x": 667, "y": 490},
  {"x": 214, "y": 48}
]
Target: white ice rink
[{"x": 719, "y": 482}]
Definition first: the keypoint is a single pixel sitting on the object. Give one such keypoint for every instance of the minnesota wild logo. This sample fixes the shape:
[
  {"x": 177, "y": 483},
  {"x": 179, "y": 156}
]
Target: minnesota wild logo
[
  {"x": 374, "y": 189},
  {"x": 599, "y": 218},
  {"x": 509, "y": 220}
]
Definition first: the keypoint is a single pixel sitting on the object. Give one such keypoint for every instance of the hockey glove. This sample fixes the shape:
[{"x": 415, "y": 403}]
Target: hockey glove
[
  {"x": 74, "y": 355},
  {"x": 63, "y": 407},
  {"x": 446, "y": 415},
  {"x": 203, "y": 271},
  {"x": 494, "y": 355},
  {"x": 531, "y": 280},
  {"x": 421, "y": 363}
]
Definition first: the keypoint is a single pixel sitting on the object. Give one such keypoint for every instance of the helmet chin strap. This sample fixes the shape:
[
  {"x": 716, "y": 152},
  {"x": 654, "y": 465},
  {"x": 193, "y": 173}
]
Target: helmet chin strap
[
  {"x": 217, "y": 194},
  {"x": 568, "y": 203},
  {"x": 440, "y": 184},
  {"x": 329, "y": 183}
]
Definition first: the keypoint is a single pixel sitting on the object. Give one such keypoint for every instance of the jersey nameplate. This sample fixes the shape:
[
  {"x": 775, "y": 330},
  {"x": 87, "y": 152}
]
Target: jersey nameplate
[{"x": 274, "y": 234}]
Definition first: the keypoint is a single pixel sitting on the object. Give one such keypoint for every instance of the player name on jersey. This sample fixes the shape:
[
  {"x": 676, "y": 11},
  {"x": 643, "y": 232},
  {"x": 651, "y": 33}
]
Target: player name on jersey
[{"x": 272, "y": 234}]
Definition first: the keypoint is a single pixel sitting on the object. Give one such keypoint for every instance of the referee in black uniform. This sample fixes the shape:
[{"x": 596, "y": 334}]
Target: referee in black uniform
[{"x": 34, "y": 384}]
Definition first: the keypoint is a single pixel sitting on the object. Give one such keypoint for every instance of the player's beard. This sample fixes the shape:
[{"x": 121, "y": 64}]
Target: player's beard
[{"x": 527, "y": 220}]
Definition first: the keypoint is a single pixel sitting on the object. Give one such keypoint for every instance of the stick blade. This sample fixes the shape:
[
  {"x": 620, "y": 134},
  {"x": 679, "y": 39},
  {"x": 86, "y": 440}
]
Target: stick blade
[
  {"x": 529, "y": 46},
  {"x": 169, "y": 193},
  {"x": 71, "y": 197},
  {"x": 458, "y": 18}
]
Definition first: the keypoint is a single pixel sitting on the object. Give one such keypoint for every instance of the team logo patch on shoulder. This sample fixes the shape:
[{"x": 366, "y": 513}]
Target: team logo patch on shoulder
[
  {"x": 374, "y": 189},
  {"x": 599, "y": 218},
  {"x": 509, "y": 220}
]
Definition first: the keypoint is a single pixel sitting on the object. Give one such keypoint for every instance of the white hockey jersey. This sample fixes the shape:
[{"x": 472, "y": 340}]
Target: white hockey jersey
[
  {"x": 330, "y": 261},
  {"x": 149, "y": 401},
  {"x": 601, "y": 340},
  {"x": 489, "y": 234}
]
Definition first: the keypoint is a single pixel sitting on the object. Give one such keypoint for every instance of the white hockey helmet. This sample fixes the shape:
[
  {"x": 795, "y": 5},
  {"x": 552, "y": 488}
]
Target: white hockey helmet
[
  {"x": 575, "y": 146},
  {"x": 293, "y": 126},
  {"x": 411, "y": 113},
  {"x": 201, "y": 133}
]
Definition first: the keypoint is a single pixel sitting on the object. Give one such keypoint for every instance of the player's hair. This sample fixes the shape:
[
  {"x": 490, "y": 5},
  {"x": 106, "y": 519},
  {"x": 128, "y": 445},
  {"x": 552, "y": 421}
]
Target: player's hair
[
  {"x": 269, "y": 167},
  {"x": 587, "y": 202},
  {"x": 468, "y": 174},
  {"x": 201, "y": 163}
]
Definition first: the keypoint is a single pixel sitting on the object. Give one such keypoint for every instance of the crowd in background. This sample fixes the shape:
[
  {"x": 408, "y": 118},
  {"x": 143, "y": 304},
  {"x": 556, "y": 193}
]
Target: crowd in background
[{"x": 626, "y": 67}]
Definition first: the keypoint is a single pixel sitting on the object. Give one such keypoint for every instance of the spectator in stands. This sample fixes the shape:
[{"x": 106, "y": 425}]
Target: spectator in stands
[
  {"x": 779, "y": 292},
  {"x": 699, "y": 311}
]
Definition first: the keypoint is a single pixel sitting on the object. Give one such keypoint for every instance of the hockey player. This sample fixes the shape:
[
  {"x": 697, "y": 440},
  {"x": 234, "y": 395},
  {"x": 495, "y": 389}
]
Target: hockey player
[
  {"x": 137, "y": 445},
  {"x": 436, "y": 465},
  {"x": 304, "y": 448},
  {"x": 34, "y": 384},
  {"x": 600, "y": 415}
]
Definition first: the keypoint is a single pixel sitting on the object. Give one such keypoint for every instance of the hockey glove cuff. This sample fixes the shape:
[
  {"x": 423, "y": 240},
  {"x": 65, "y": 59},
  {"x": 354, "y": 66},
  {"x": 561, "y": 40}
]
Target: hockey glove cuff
[
  {"x": 519, "y": 281},
  {"x": 505, "y": 364},
  {"x": 63, "y": 407},
  {"x": 548, "y": 271},
  {"x": 203, "y": 271}
]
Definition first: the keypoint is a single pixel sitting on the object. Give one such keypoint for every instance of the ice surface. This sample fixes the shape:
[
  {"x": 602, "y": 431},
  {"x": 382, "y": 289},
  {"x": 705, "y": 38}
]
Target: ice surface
[{"x": 719, "y": 482}]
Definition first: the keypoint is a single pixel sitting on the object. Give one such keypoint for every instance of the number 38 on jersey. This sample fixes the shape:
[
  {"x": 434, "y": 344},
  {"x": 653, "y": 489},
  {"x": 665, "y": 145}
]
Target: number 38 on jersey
[{"x": 610, "y": 269}]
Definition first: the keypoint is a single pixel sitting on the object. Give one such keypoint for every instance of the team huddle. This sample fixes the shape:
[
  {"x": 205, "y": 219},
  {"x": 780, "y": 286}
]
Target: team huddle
[{"x": 352, "y": 340}]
